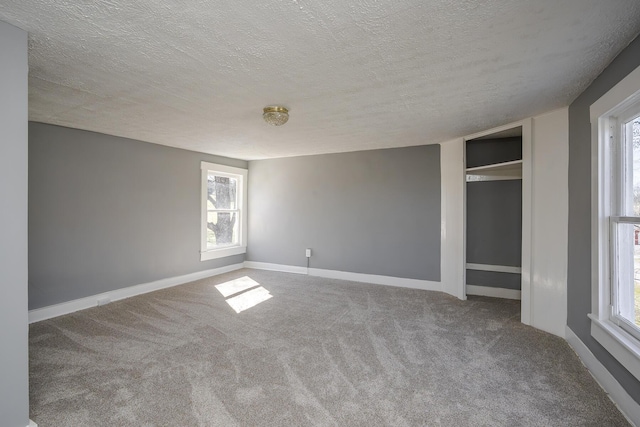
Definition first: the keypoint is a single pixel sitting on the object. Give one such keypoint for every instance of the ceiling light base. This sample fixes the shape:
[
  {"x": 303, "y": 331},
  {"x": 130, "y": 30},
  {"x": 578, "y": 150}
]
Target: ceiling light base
[{"x": 276, "y": 116}]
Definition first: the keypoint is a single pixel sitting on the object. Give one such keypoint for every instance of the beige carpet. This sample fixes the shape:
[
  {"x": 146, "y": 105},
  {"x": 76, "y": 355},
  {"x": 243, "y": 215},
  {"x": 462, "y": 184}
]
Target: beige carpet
[{"x": 306, "y": 351}]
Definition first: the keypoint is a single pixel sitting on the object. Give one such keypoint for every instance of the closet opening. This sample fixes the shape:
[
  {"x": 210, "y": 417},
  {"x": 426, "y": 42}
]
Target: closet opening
[{"x": 494, "y": 214}]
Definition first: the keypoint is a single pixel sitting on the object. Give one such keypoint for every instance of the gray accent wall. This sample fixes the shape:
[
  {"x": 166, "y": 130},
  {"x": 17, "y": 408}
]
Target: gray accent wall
[
  {"x": 494, "y": 222},
  {"x": 579, "y": 257},
  {"x": 373, "y": 212},
  {"x": 14, "y": 357},
  {"x": 108, "y": 213},
  {"x": 482, "y": 152},
  {"x": 494, "y": 279}
]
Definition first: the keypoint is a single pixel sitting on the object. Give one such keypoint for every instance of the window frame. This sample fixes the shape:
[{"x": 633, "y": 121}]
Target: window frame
[
  {"x": 607, "y": 115},
  {"x": 241, "y": 192}
]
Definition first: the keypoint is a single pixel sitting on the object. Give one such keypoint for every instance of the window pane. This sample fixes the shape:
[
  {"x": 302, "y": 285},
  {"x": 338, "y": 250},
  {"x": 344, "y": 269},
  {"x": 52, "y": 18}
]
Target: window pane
[
  {"x": 627, "y": 292},
  {"x": 222, "y": 229},
  {"x": 221, "y": 192},
  {"x": 633, "y": 132}
]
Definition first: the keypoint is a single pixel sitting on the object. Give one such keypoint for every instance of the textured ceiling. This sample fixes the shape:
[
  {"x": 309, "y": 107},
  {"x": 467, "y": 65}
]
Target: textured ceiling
[{"x": 355, "y": 75}]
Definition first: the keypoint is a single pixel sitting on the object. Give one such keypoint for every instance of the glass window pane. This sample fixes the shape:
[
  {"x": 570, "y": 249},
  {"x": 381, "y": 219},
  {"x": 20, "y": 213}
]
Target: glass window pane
[
  {"x": 627, "y": 292},
  {"x": 633, "y": 133},
  {"x": 222, "y": 229},
  {"x": 221, "y": 192}
]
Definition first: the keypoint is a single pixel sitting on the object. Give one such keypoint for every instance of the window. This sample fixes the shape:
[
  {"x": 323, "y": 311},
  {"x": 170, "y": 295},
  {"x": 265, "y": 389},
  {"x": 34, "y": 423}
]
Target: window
[
  {"x": 625, "y": 221},
  {"x": 224, "y": 219},
  {"x": 615, "y": 121}
]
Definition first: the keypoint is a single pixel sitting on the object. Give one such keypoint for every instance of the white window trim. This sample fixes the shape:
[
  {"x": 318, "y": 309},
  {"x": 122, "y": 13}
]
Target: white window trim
[
  {"x": 241, "y": 248},
  {"x": 620, "y": 344}
]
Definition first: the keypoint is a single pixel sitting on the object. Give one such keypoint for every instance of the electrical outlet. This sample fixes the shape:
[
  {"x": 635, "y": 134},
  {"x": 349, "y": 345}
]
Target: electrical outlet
[{"x": 308, "y": 253}]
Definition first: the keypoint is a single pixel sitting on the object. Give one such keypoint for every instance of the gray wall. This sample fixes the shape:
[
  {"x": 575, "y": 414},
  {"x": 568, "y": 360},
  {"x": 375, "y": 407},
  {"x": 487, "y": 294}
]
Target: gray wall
[
  {"x": 482, "y": 152},
  {"x": 14, "y": 381},
  {"x": 373, "y": 212},
  {"x": 108, "y": 212},
  {"x": 493, "y": 279},
  {"x": 494, "y": 222},
  {"x": 579, "y": 259}
]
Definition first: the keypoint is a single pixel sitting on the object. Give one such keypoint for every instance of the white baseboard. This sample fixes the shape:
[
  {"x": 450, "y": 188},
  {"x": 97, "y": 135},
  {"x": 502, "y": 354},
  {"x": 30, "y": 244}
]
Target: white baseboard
[
  {"x": 56, "y": 310},
  {"x": 629, "y": 407},
  {"x": 494, "y": 268},
  {"x": 345, "y": 275},
  {"x": 487, "y": 291},
  {"x": 32, "y": 424},
  {"x": 275, "y": 267},
  {"x": 400, "y": 282}
]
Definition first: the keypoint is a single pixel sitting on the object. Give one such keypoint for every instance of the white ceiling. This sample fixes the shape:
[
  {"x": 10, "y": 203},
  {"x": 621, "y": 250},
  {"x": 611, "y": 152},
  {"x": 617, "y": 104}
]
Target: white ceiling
[{"x": 355, "y": 74}]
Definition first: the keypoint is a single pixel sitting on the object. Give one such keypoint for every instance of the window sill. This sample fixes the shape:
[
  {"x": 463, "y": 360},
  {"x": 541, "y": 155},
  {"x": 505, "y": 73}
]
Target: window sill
[
  {"x": 616, "y": 341},
  {"x": 221, "y": 253}
]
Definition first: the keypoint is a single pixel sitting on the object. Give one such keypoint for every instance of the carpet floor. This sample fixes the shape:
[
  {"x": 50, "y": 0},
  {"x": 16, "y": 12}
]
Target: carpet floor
[{"x": 259, "y": 348}]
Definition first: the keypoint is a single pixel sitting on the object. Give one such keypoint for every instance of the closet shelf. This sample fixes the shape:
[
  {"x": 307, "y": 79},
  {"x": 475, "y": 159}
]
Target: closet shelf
[{"x": 496, "y": 171}]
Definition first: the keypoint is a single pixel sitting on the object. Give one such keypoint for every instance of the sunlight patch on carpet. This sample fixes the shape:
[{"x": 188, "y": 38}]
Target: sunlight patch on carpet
[
  {"x": 236, "y": 286},
  {"x": 246, "y": 293}
]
